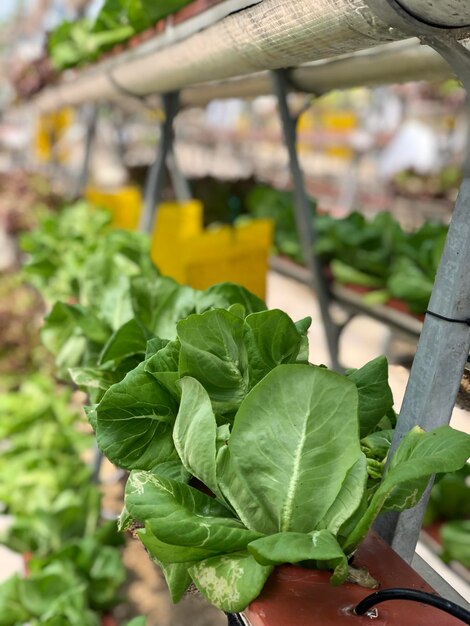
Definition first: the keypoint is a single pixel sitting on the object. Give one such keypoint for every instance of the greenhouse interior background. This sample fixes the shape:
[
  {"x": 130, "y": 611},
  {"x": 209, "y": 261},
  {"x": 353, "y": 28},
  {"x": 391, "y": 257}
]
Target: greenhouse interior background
[{"x": 234, "y": 312}]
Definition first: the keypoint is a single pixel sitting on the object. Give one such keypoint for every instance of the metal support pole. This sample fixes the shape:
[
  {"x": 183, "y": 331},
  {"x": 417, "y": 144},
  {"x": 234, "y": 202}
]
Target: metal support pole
[
  {"x": 91, "y": 117},
  {"x": 178, "y": 180},
  {"x": 303, "y": 218},
  {"x": 438, "y": 365},
  {"x": 445, "y": 339},
  {"x": 97, "y": 462},
  {"x": 156, "y": 174}
]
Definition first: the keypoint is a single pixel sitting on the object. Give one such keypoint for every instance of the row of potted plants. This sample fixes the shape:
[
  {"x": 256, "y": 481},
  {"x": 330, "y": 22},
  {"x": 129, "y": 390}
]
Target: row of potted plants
[
  {"x": 118, "y": 26},
  {"x": 243, "y": 455},
  {"x": 72, "y": 558},
  {"x": 447, "y": 518},
  {"x": 374, "y": 255}
]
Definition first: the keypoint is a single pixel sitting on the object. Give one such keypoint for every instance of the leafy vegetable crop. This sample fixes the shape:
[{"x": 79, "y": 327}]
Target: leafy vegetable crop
[
  {"x": 76, "y": 570},
  {"x": 450, "y": 497},
  {"x": 456, "y": 541},
  {"x": 73, "y": 43},
  {"x": 242, "y": 454},
  {"x": 292, "y": 454},
  {"x": 374, "y": 253},
  {"x": 75, "y": 256},
  {"x": 449, "y": 502},
  {"x": 266, "y": 202},
  {"x": 227, "y": 353},
  {"x": 290, "y": 481}
]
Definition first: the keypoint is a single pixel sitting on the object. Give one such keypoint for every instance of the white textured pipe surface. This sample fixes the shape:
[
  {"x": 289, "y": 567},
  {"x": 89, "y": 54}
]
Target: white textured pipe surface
[
  {"x": 398, "y": 62},
  {"x": 269, "y": 35},
  {"x": 451, "y": 13}
]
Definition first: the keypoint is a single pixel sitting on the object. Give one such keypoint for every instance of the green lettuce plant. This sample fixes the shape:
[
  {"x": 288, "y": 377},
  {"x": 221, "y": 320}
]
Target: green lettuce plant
[
  {"x": 243, "y": 456},
  {"x": 98, "y": 352},
  {"x": 289, "y": 484},
  {"x": 290, "y": 458},
  {"x": 59, "y": 246},
  {"x": 227, "y": 351},
  {"x": 73, "y": 43},
  {"x": 53, "y": 597},
  {"x": 370, "y": 252},
  {"x": 456, "y": 541},
  {"x": 76, "y": 568},
  {"x": 43, "y": 437},
  {"x": 450, "y": 497}
]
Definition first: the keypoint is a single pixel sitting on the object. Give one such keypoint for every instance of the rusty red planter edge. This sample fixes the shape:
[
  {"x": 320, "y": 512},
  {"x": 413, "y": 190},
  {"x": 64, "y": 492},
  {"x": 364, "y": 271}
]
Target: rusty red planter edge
[
  {"x": 294, "y": 596},
  {"x": 46, "y": 75}
]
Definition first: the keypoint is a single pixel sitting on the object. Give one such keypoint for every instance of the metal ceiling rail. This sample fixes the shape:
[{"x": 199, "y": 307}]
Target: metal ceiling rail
[{"x": 271, "y": 34}]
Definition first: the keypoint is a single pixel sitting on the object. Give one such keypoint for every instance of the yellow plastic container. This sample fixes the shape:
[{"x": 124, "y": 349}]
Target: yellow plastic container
[
  {"x": 200, "y": 258},
  {"x": 124, "y": 203},
  {"x": 50, "y": 129},
  {"x": 176, "y": 223},
  {"x": 238, "y": 255},
  {"x": 341, "y": 123}
]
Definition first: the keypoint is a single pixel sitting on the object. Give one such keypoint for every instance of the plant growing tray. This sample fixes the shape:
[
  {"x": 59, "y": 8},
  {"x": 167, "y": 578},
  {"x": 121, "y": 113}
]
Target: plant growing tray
[
  {"x": 351, "y": 300},
  {"x": 302, "y": 597}
]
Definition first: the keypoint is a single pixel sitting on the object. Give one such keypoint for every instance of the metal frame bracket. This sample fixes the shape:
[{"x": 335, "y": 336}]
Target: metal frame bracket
[
  {"x": 443, "y": 347},
  {"x": 91, "y": 123},
  {"x": 303, "y": 220},
  {"x": 156, "y": 174}
]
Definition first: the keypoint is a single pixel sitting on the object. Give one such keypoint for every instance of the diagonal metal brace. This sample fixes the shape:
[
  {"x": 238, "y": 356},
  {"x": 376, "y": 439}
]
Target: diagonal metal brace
[
  {"x": 91, "y": 121},
  {"x": 156, "y": 175},
  {"x": 303, "y": 217}
]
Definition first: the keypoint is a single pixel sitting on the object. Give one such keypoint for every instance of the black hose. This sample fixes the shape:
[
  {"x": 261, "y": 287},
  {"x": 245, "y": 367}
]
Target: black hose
[
  {"x": 234, "y": 619},
  {"x": 416, "y": 596}
]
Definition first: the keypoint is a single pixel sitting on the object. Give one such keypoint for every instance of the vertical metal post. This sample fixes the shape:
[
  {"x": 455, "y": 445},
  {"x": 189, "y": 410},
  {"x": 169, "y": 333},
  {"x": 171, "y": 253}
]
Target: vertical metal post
[
  {"x": 156, "y": 174},
  {"x": 178, "y": 181},
  {"x": 91, "y": 119},
  {"x": 303, "y": 218},
  {"x": 96, "y": 464},
  {"x": 118, "y": 120},
  {"x": 445, "y": 339}
]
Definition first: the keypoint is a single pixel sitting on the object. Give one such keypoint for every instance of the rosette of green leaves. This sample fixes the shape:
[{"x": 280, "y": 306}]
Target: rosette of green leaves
[
  {"x": 227, "y": 351},
  {"x": 55, "y": 596},
  {"x": 76, "y": 333},
  {"x": 455, "y": 538},
  {"x": 154, "y": 307},
  {"x": 73, "y": 43},
  {"x": 289, "y": 479},
  {"x": 59, "y": 247},
  {"x": 412, "y": 274},
  {"x": 449, "y": 498}
]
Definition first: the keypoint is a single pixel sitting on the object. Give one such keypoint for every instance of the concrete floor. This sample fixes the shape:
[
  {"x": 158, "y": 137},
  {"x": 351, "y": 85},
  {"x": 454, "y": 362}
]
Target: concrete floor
[{"x": 10, "y": 562}]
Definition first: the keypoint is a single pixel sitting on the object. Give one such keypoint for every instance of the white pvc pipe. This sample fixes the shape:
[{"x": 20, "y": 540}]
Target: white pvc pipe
[
  {"x": 398, "y": 62},
  {"x": 269, "y": 35}
]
